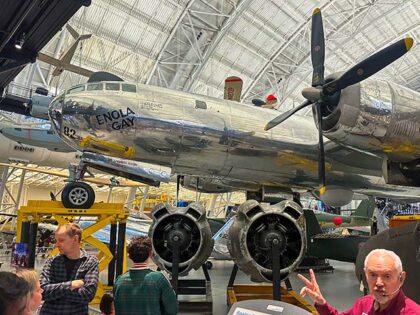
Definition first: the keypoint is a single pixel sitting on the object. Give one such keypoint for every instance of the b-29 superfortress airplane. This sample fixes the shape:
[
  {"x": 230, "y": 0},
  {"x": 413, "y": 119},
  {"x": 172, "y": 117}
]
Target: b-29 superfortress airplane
[{"x": 372, "y": 127}]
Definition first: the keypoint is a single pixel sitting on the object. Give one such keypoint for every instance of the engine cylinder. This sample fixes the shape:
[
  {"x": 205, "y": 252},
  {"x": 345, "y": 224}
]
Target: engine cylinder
[
  {"x": 256, "y": 226},
  {"x": 189, "y": 227}
]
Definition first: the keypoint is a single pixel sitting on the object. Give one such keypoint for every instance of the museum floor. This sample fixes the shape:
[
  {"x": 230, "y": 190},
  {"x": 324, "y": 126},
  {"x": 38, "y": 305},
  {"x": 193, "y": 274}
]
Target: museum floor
[{"x": 340, "y": 287}]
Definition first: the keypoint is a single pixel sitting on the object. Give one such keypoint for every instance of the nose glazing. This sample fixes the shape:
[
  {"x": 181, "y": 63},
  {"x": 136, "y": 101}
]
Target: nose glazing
[{"x": 55, "y": 112}]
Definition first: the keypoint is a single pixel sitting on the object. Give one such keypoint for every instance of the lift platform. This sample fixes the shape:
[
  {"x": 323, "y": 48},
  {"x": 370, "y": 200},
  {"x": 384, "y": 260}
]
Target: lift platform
[{"x": 110, "y": 257}]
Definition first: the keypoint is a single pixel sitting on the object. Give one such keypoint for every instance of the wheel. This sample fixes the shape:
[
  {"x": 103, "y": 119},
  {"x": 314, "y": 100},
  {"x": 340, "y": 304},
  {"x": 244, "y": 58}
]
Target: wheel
[
  {"x": 209, "y": 264},
  {"x": 77, "y": 195}
]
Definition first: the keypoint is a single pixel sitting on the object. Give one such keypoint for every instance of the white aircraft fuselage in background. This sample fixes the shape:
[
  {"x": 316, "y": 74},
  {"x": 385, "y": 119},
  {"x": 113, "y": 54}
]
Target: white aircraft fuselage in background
[{"x": 12, "y": 151}]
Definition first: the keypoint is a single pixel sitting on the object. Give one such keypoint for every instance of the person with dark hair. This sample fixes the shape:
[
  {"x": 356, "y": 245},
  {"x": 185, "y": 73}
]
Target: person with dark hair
[
  {"x": 141, "y": 291},
  {"x": 107, "y": 304},
  {"x": 13, "y": 294},
  {"x": 69, "y": 279}
]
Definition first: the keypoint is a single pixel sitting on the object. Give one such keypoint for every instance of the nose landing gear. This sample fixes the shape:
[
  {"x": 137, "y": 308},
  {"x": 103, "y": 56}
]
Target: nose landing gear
[{"x": 76, "y": 194}]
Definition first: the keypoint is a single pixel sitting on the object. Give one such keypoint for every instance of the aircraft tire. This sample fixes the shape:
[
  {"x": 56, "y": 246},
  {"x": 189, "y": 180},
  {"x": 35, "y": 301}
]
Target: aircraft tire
[{"x": 78, "y": 195}]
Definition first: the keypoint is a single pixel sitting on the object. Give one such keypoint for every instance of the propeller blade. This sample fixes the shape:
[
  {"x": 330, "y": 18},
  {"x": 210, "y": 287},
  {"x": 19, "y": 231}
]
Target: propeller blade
[
  {"x": 317, "y": 48},
  {"x": 321, "y": 154},
  {"x": 279, "y": 119},
  {"x": 369, "y": 66}
]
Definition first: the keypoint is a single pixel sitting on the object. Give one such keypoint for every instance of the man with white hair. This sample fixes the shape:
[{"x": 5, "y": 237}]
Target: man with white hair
[{"x": 385, "y": 278}]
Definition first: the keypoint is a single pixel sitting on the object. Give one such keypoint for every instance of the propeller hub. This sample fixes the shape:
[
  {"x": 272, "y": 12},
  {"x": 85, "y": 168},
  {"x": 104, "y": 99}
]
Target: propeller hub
[{"x": 311, "y": 93}]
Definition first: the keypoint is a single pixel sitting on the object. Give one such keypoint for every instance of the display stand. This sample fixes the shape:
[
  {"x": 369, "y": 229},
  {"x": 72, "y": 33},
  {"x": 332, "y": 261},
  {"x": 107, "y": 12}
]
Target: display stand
[
  {"x": 276, "y": 265},
  {"x": 241, "y": 292},
  {"x": 191, "y": 287},
  {"x": 314, "y": 263}
]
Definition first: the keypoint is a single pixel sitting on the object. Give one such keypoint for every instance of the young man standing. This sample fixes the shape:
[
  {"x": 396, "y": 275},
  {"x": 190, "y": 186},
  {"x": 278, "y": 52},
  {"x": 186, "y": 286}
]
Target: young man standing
[
  {"x": 69, "y": 279},
  {"x": 141, "y": 291}
]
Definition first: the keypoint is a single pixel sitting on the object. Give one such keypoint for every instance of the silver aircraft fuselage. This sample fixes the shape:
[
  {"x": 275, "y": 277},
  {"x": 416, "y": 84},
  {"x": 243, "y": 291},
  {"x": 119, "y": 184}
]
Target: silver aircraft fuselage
[{"x": 206, "y": 137}]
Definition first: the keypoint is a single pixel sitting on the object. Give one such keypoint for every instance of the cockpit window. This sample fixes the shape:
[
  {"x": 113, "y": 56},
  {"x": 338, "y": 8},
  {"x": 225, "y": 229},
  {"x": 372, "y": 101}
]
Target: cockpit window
[
  {"x": 112, "y": 86},
  {"x": 129, "y": 88},
  {"x": 79, "y": 88},
  {"x": 94, "y": 86}
]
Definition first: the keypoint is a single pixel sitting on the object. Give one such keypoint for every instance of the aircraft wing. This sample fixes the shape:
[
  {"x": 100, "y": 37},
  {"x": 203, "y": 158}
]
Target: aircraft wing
[
  {"x": 67, "y": 66},
  {"x": 103, "y": 234},
  {"x": 65, "y": 174},
  {"x": 221, "y": 241},
  {"x": 351, "y": 157}
]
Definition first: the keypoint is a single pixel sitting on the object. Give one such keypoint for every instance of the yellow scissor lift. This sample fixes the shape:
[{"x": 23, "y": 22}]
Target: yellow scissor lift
[{"x": 39, "y": 211}]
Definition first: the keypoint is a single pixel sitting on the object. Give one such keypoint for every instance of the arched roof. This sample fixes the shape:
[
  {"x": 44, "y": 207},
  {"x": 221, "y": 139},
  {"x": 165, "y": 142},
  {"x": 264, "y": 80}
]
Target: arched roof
[{"x": 193, "y": 45}]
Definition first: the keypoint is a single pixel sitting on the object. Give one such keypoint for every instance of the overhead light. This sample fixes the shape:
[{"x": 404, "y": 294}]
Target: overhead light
[{"x": 20, "y": 41}]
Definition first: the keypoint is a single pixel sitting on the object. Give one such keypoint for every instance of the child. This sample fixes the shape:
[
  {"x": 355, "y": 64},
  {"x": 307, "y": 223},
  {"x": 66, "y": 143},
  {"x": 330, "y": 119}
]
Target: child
[
  {"x": 107, "y": 304},
  {"x": 35, "y": 291}
]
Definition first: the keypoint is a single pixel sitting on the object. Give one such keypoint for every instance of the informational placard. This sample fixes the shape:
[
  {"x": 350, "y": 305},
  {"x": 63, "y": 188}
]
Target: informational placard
[
  {"x": 20, "y": 255},
  {"x": 245, "y": 311},
  {"x": 275, "y": 308}
]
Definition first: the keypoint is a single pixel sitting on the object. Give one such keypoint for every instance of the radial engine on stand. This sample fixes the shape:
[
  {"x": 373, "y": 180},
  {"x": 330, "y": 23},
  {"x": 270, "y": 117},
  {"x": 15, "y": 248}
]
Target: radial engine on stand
[
  {"x": 259, "y": 227},
  {"x": 187, "y": 229}
]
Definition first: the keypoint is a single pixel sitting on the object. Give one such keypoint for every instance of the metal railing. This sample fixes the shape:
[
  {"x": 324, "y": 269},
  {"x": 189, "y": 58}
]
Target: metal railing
[{"x": 19, "y": 90}]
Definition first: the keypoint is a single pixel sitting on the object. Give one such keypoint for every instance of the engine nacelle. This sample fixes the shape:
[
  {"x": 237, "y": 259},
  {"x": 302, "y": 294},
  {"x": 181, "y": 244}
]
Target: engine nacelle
[
  {"x": 377, "y": 117},
  {"x": 269, "y": 194},
  {"x": 189, "y": 227},
  {"x": 335, "y": 196},
  {"x": 39, "y": 106},
  {"x": 255, "y": 226}
]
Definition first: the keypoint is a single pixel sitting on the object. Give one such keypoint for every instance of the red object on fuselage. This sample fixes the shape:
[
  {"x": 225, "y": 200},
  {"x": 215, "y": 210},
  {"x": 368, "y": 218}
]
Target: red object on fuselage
[{"x": 337, "y": 221}]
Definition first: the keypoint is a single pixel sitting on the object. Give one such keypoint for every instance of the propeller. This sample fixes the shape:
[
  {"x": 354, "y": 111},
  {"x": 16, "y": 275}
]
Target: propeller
[
  {"x": 321, "y": 93},
  {"x": 277, "y": 120}
]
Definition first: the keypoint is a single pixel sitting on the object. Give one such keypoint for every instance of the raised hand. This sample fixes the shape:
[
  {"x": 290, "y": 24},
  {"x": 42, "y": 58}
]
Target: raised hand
[{"x": 311, "y": 288}]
